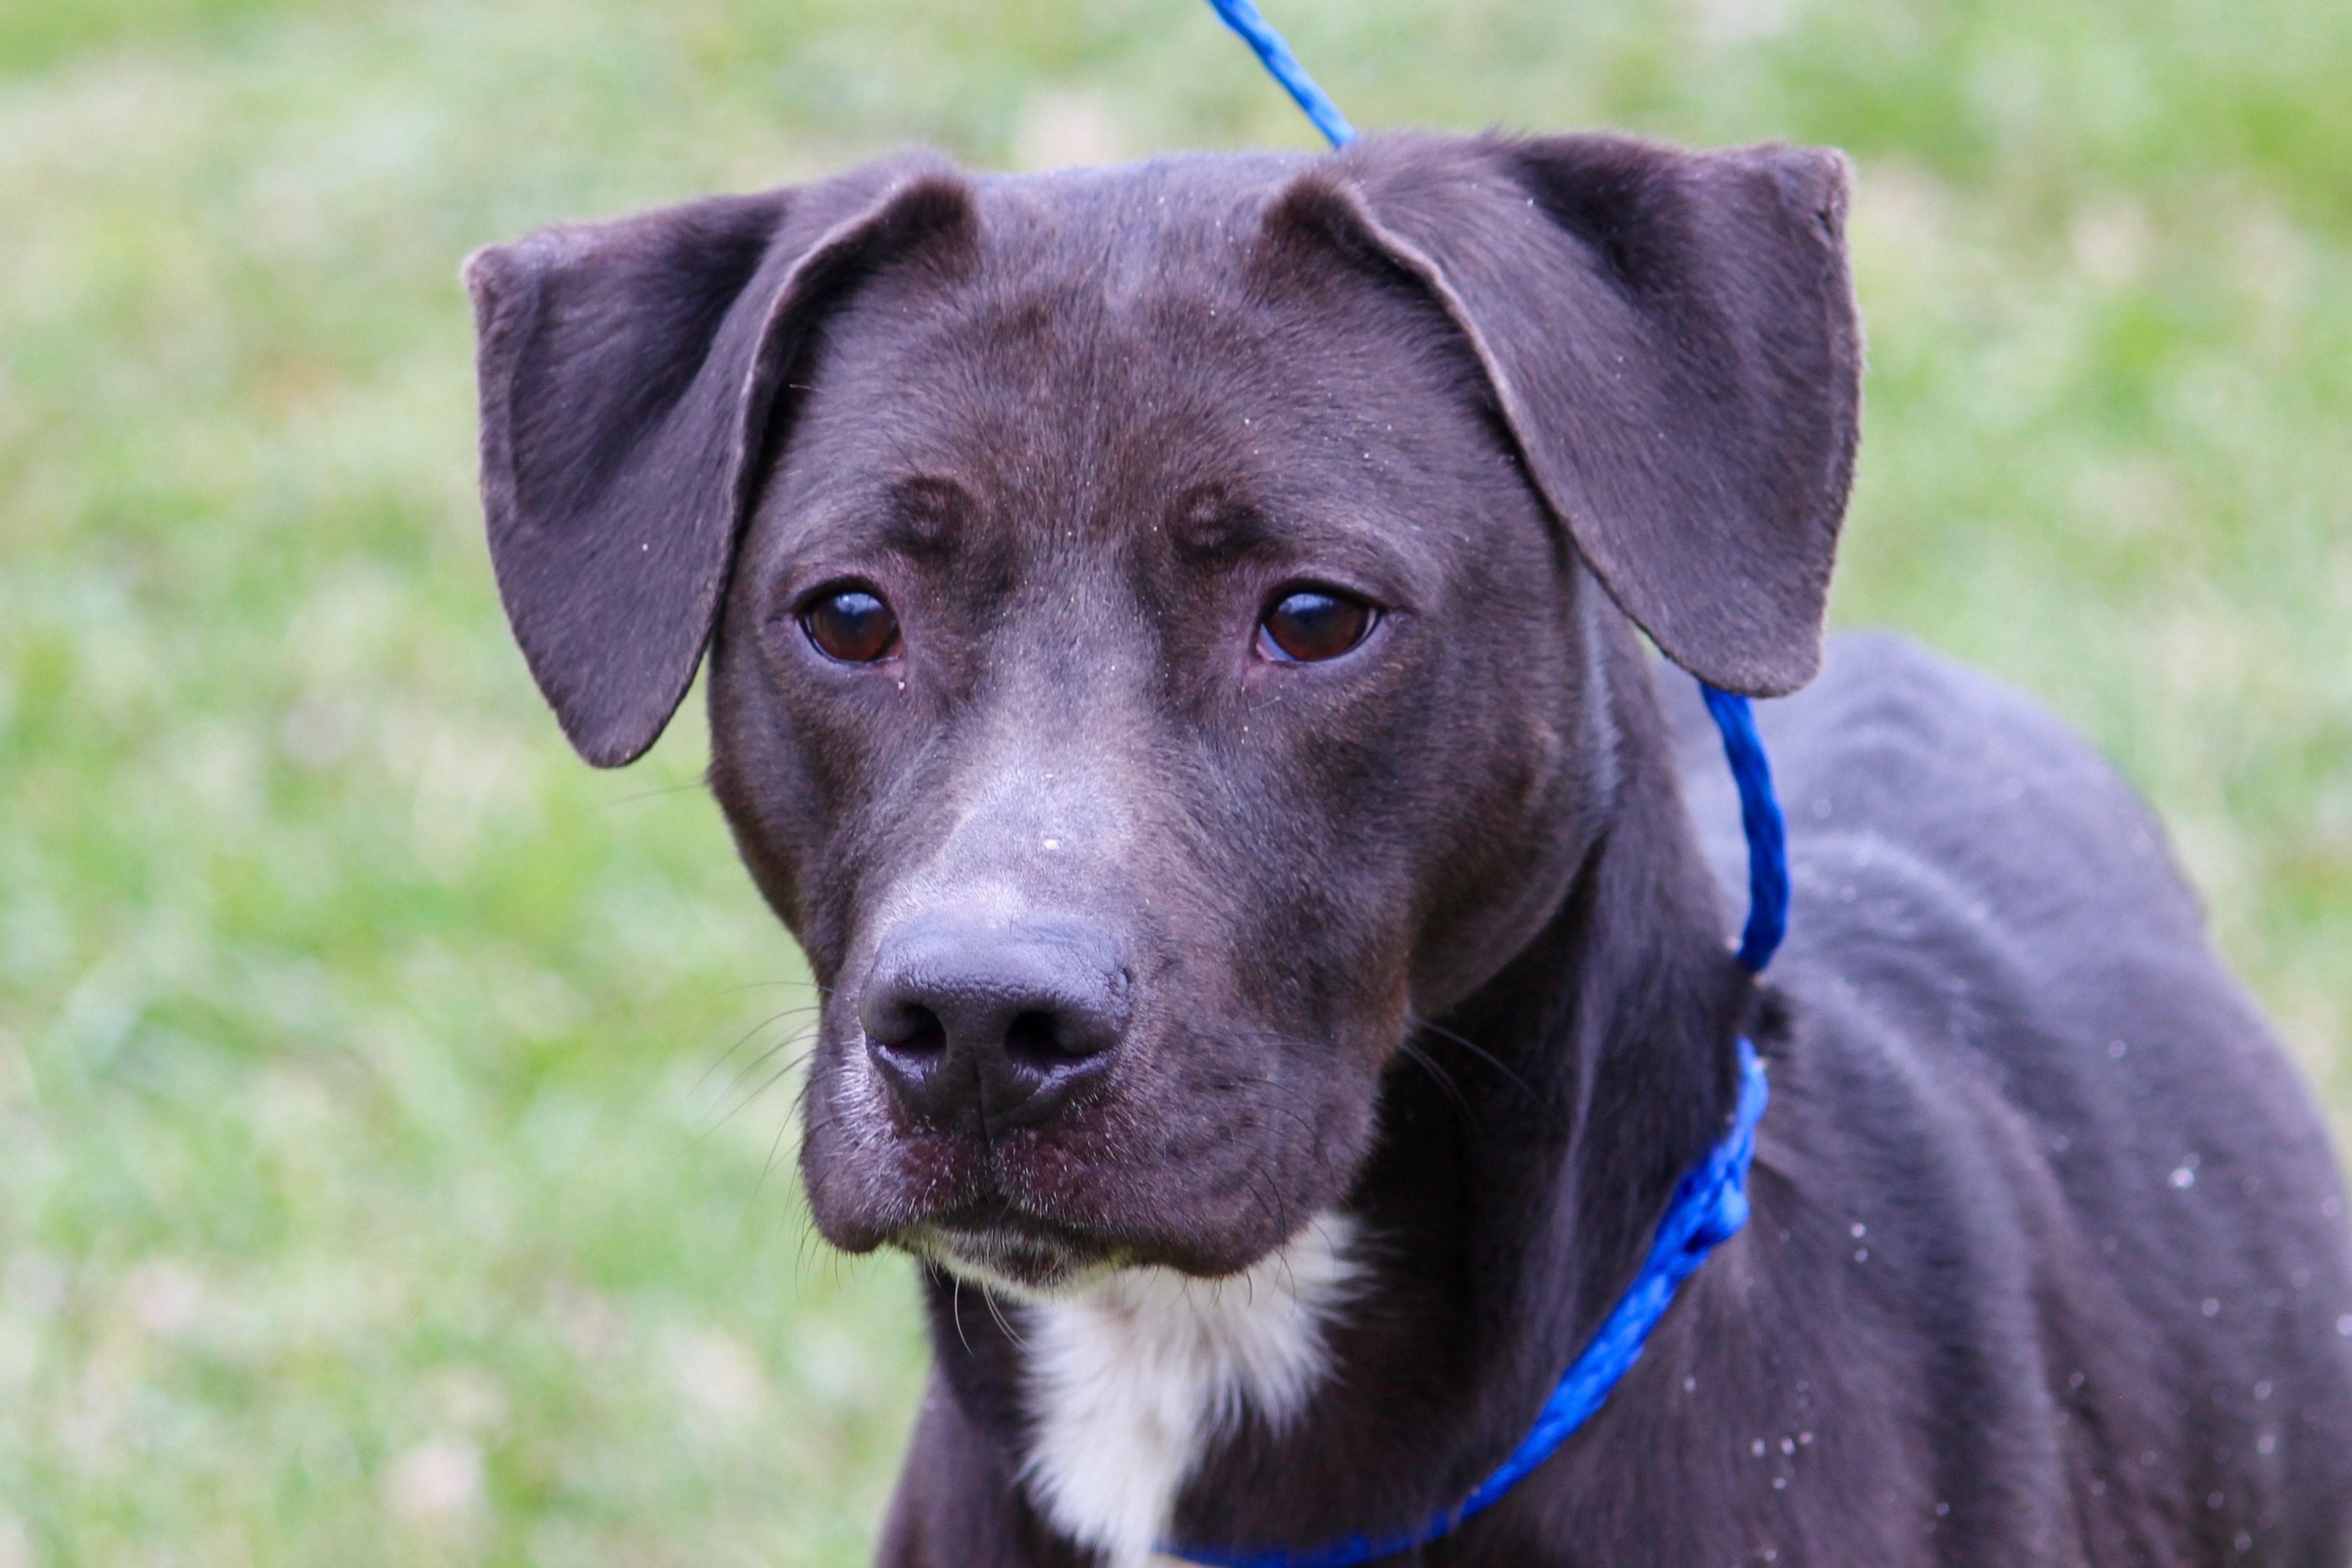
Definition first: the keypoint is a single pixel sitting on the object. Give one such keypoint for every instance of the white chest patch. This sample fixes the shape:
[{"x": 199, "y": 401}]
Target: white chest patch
[{"x": 1130, "y": 1380}]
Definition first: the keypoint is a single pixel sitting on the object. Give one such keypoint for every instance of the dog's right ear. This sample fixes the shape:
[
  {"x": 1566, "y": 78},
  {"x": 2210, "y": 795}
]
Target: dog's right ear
[{"x": 628, "y": 373}]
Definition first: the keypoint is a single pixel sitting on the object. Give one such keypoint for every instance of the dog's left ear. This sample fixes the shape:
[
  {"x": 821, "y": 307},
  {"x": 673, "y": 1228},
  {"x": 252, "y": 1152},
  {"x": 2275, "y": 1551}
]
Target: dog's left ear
[{"x": 1671, "y": 338}]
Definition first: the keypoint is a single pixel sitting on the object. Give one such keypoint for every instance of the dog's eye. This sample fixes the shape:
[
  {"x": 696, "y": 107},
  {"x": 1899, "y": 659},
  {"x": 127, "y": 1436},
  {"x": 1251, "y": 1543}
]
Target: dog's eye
[
  {"x": 851, "y": 624},
  {"x": 1308, "y": 625}
]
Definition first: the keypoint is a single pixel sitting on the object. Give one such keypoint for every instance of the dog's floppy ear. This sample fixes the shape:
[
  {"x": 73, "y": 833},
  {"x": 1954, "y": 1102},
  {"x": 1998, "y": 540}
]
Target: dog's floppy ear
[
  {"x": 1671, "y": 338},
  {"x": 628, "y": 370}
]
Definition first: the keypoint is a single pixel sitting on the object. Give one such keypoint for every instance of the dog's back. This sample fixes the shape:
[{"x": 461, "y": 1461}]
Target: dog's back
[{"x": 2139, "y": 1220}]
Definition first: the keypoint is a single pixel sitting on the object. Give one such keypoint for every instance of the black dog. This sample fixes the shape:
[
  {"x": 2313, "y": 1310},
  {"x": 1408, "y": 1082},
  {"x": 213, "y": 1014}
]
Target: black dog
[{"x": 1173, "y": 666}]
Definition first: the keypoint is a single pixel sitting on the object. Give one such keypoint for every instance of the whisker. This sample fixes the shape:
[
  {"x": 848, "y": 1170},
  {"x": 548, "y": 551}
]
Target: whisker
[
  {"x": 770, "y": 985},
  {"x": 658, "y": 790},
  {"x": 791, "y": 1066},
  {"x": 1480, "y": 1052},
  {"x": 747, "y": 1034},
  {"x": 753, "y": 1066},
  {"x": 769, "y": 1083},
  {"x": 775, "y": 1146},
  {"x": 1444, "y": 1082},
  {"x": 996, "y": 1311}
]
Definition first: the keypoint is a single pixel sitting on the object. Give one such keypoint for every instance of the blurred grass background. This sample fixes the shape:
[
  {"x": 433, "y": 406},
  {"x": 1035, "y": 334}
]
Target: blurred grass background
[{"x": 374, "y": 1184}]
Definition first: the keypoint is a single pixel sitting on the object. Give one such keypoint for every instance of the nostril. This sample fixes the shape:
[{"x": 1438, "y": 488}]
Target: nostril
[
  {"x": 912, "y": 1030},
  {"x": 909, "y": 1045},
  {"x": 1039, "y": 1039}
]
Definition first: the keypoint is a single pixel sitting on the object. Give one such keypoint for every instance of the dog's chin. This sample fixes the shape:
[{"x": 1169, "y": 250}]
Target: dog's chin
[{"x": 1016, "y": 1263}]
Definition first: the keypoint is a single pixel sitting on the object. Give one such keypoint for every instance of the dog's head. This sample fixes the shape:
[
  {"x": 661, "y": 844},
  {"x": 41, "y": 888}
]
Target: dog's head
[{"x": 1154, "y": 614}]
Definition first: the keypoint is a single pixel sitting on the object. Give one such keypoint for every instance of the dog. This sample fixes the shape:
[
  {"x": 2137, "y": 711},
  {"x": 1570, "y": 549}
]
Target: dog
[{"x": 1177, "y": 664}]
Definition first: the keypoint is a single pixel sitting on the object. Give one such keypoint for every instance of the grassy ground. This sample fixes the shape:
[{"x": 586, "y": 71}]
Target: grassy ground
[{"x": 375, "y": 1186}]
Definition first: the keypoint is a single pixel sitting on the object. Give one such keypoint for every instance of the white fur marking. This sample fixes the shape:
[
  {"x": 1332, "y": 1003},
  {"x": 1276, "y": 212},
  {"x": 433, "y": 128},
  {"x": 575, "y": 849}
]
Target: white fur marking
[{"x": 1131, "y": 1379}]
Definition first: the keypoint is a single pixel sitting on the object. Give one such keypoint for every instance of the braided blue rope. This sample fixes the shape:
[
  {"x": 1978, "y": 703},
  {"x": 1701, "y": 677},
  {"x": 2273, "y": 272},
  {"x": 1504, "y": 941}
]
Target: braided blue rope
[
  {"x": 1710, "y": 1203},
  {"x": 1761, "y": 819},
  {"x": 1284, "y": 67}
]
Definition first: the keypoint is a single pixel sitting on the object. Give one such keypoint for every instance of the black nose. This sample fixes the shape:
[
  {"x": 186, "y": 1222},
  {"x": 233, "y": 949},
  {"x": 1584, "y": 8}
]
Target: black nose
[{"x": 996, "y": 1026}]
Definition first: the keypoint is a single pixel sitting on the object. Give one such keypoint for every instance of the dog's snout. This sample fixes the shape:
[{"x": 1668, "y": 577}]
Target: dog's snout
[{"x": 994, "y": 1025}]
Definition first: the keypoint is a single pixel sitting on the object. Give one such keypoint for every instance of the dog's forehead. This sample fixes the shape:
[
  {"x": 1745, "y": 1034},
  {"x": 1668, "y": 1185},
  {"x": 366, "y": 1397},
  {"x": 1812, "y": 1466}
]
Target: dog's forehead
[
  {"x": 1112, "y": 342},
  {"x": 1145, "y": 278},
  {"x": 1130, "y": 228}
]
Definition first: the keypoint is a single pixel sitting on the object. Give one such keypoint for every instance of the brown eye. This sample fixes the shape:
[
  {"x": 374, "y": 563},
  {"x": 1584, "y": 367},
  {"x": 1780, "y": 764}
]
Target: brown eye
[
  {"x": 1309, "y": 624},
  {"x": 853, "y": 625}
]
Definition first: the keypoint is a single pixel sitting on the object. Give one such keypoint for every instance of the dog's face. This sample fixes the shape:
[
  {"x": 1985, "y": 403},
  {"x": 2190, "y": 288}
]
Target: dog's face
[
  {"x": 1216, "y": 711},
  {"x": 1148, "y": 666}
]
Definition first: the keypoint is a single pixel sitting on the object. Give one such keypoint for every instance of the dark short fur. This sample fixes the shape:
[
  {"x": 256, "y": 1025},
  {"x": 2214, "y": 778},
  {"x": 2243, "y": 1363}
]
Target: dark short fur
[{"x": 2049, "y": 1253}]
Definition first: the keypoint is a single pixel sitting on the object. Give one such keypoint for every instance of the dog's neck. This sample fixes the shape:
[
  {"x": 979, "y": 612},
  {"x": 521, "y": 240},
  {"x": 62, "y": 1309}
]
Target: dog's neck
[{"x": 1391, "y": 1357}]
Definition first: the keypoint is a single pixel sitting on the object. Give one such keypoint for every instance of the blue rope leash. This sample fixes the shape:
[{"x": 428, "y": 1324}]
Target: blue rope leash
[
  {"x": 1710, "y": 1203},
  {"x": 1761, "y": 819},
  {"x": 1276, "y": 55}
]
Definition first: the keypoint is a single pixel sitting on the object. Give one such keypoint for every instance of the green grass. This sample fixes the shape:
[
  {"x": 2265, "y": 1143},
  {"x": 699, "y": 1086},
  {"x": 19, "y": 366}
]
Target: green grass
[{"x": 375, "y": 1186}]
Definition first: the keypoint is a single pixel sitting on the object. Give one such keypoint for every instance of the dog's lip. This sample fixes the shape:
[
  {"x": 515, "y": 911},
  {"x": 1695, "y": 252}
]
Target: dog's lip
[
  {"x": 994, "y": 1244},
  {"x": 989, "y": 1244}
]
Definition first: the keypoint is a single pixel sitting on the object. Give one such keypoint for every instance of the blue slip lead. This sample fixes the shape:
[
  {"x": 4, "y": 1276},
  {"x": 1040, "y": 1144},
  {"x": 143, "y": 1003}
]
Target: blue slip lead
[
  {"x": 1710, "y": 1203},
  {"x": 1284, "y": 67},
  {"x": 1761, "y": 819}
]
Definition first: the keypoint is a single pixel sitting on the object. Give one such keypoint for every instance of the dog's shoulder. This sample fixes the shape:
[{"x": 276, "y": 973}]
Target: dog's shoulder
[
  {"x": 1982, "y": 898},
  {"x": 1993, "y": 947},
  {"x": 1900, "y": 769}
]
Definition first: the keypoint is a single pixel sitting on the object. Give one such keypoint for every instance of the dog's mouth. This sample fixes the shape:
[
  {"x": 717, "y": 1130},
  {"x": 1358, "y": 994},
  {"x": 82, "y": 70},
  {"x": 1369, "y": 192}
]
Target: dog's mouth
[
  {"x": 1018, "y": 1258},
  {"x": 1198, "y": 1157}
]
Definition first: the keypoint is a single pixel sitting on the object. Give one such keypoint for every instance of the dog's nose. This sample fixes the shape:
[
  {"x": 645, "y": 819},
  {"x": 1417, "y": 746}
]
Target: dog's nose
[{"x": 994, "y": 1025}]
